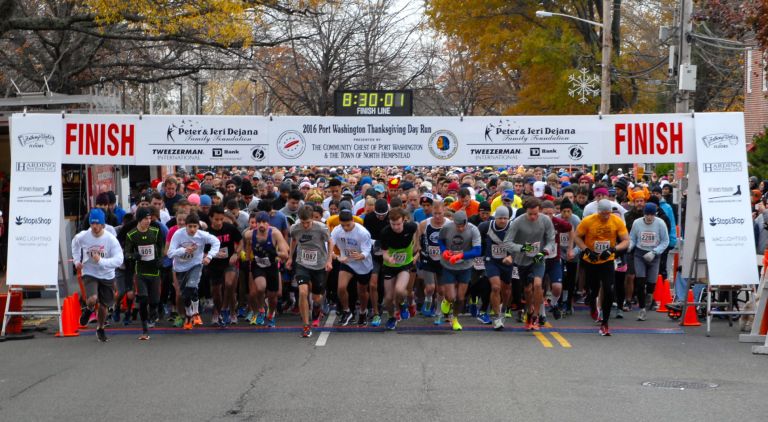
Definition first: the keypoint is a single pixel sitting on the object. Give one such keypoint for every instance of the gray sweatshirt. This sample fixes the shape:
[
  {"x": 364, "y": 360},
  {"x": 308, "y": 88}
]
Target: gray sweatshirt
[
  {"x": 539, "y": 233},
  {"x": 649, "y": 237}
]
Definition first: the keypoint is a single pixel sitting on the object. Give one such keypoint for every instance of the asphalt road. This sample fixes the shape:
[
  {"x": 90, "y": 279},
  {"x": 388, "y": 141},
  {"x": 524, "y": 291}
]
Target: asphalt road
[{"x": 418, "y": 373}]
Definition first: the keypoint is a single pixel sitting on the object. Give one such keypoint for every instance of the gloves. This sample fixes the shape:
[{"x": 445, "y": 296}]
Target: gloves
[
  {"x": 590, "y": 254},
  {"x": 456, "y": 257},
  {"x": 607, "y": 253},
  {"x": 538, "y": 258},
  {"x": 527, "y": 247},
  {"x": 649, "y": 257},
  {"x": 447, "y": 254}
]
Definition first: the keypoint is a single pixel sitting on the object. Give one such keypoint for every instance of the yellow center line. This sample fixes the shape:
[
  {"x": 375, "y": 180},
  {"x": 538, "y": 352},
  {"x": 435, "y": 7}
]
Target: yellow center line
[
  {"x": 547, "y": 325},
  {"x": 560, "y": 339},
  {"x": 543, "y": 339}
]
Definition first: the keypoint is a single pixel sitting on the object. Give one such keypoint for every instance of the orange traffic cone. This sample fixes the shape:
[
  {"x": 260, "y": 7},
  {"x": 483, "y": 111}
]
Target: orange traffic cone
[
  {"x": 68, "y": 325},
  {"x": 657, "y": 292},
  {"x": 690, "y": 319},
  {"x": 666, "y": 297},
  {"x": 764, "y": 323}
]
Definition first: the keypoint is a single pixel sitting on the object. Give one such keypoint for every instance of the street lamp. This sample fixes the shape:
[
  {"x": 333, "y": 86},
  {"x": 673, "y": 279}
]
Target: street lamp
[{"x": 605, "y": 83}]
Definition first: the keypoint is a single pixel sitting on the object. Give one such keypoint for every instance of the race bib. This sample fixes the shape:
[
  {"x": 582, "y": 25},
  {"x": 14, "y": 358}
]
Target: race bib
[
  {"x": 223, "y": 253},
  {"x": 478, "y": 263},
  {"x": 349, "y": 252},
  {"x": 536, "y": 247},
  {"x": 187, "y": 256},
  {"x": 263, "y": 261},
  {"x": 648, "y": 239},
  {"x": 601, "y": 245},
  {"x": 564, "y": 239},
  {"x": 515, "y": 272},
  {"x": 498, "y": 251},
  {"x": 434, "y": 252},
  {"x": 147, "y": 252},
  {"x": 399, "y": 257},
  {"x": 308, "y": 257}
]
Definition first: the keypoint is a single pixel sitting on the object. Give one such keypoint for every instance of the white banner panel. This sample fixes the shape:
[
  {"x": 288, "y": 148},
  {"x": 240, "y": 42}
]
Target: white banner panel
[
  {"x": 211, "y": 140},
  {"x": 648, "y": 138},
  {"x": 99, "y": 139},
  {"x": 435, "y": 141},
  {"x": 33, "y": 223},
  {"x": 725, "y": 198}
]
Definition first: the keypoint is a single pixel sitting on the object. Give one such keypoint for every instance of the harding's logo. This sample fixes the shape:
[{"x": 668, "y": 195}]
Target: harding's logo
[
  {"x": 723, "y": 167},
  {"x": 36, "y": 167}
]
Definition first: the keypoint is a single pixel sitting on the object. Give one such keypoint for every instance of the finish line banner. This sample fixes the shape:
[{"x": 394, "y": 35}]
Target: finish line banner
[
  {"x": 725, "y": 200},
  {"x": 378, "y": 141}
]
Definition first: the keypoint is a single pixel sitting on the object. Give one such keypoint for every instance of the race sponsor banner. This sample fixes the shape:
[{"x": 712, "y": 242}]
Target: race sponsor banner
[
  {"x": 725, "y": 199},
  {"x": 99, "y": 139},
  {"x": 35, "y": 200},
  {"x": 195, "y": 140},
  {"x": 434, "y": 141}
]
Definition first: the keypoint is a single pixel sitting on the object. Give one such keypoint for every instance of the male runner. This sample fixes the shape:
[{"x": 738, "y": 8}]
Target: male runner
[
  {"x": 399, "y": 242},
  {"x": 596, "y": 236},
  {"x": 265, "y": 245},
  {"x": 375, "y": 223},
  {"x": 145, "y": 244},
  {"x": 312, "y": 246},
  {"x": 354, "y": 244},
  {"x": 97, "y": 254},
  {"x": 553, "y": 267},
  {"x": 186, "y": 249},
  {"x": 222, "y": 271},
  {"x": 429, "y": 235},
  {"x": 460, "y": 243},
  {"x": 648, "y": 239},
  {"x": 498, "y": 262},
  {"x": 531, "y": 238}
]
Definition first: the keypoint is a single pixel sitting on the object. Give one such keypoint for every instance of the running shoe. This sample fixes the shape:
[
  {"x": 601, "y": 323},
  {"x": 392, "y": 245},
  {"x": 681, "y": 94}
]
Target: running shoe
[
  {"x": 593, "y": 314},
  {"x": 528, "y": 323},
  {"x": 518, "y": 316},
  {"x": 188, "y": 323},
  {"x": 172, "y": 316},
  {"x": 316, "y": 322},
  {"x": 619, "y": 313},
  {"x": 498, "y": 324},
  {"x": 101, "y": 335},
  {"x": 197, "y": 321},
  {"x": 144, "y": 336},
  {"x": 362, "y": 319},
  {"x": 226, "y": 317},
  {"x": 241, "y": 312},
  {"x": 445, "y": 306},
  {"x": 260, "y": 318},
  {"x": 412, "y": 309},
  {"x": 216, "y": 321},
  {"x": 508, "y": 313},
  {"x": 438, "y": 319},
  {"x": 405, "y": 313},
  {"x": 116, "y": 314},
  {"x": 604, "y": 330},
  {"x": 397, "y": 314},
  {"x": 627, "y": 306},
  {"x": 484, "y": 318},
  {"x": 92, "y": 319},
  {"x": 85, "y": 316},
  {"x": 456, "y": 325},
  {"x": 306, "y": 332},
  {"x": 252, "y": 320},
  {"x": 599, "y": 316},
  {"x": 271, "y": 323},
  {"x": 426, "y": 311},
  {"x": 535, "y": 324},
  {"x": 178, "y": 321},
  {"x": 473, "y": 307},
  {"x": 376, "y": 321},
  {"x": 391, "y": 323},
  {"x": 234, "y": 320},
  {"x": 641, "y": 315},
  {"x": 557, "y": 313},
  {"x": 151, "y": 324},
  {"x": 347, "y": 317},
  {"x": 541, "y": 319},
  {"x": 249, "y": 316}
]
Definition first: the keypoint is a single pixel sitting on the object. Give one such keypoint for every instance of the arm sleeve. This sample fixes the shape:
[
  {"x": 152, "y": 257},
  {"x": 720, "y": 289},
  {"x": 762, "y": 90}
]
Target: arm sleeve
[
  {"x": 477, "y": 245},
  {"x": 77, "y": 251},
  {"x": 366, "y": 245},
  {"x": 550, "y": 245},
  {"x": 509, "y": 243},
  {"x": 128, "y": 248},
  {"x": 632, "y": 237},
  {"x": 175, "y": 249},
  {"x": 663, "y": 240}
]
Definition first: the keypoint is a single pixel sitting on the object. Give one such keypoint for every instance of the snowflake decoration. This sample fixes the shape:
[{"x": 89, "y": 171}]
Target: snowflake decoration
[{"x": 583, "y": 85}]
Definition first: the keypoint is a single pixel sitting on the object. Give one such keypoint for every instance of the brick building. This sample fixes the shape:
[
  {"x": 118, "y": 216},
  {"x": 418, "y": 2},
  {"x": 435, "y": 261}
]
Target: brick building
[{"x": 755, "y": 93}]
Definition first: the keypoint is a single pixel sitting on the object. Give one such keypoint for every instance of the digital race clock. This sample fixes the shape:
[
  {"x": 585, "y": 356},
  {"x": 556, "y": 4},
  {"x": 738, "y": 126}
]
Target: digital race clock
[{"x": 373, "y": 103}]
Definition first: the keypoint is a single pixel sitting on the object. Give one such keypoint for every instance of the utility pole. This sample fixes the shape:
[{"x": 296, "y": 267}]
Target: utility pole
[
  {"x": 605, "y": 84},
  {"x": 684, "y": 57}
]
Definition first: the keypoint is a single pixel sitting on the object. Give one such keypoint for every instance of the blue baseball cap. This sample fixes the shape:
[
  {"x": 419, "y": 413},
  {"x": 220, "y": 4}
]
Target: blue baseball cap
[
  {"x": 379, "y": 188},
  {"x": 508, "y": 194},
  {"x": 205, "y": 201},
  {"x": 96, "y": 216}
]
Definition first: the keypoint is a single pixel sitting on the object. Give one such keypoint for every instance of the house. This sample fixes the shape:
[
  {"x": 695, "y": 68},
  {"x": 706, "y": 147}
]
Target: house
[{"x": 755, "y": 93}]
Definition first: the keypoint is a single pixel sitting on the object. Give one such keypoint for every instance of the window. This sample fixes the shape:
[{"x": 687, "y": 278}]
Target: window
[
  {"x": 749, "y": 71},
  {"x": 765, "y": 73}
]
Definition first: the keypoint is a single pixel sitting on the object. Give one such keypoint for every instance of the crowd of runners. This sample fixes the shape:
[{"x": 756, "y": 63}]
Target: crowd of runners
[{"x": 376, "y": 247}]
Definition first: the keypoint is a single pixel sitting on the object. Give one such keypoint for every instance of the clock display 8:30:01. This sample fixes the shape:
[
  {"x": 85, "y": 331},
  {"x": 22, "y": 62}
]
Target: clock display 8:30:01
[{"x": 373, "y": 99}]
